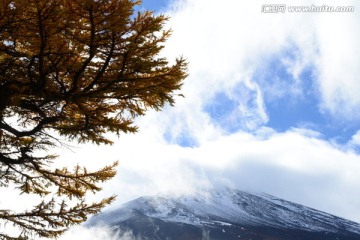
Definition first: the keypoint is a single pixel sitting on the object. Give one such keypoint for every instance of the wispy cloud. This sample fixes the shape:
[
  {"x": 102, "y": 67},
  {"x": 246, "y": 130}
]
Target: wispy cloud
[{"x": 233, "y": 45}]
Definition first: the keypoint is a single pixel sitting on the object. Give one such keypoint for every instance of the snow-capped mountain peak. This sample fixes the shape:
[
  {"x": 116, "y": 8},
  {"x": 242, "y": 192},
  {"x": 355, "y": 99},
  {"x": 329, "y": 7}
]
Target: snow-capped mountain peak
[{"x": 231, "y": 209}]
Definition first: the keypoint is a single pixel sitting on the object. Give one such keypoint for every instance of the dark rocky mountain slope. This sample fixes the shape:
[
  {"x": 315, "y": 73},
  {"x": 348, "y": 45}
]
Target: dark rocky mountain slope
[{"x": 225, "y": 215}]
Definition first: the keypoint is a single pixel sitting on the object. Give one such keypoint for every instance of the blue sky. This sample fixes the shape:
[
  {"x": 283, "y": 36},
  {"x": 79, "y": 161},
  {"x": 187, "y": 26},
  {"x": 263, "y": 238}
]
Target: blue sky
[
  {"x": 284, "y": 112},
  {"x": 271, "y": 105},
  {"x": 155, "y": 5}
]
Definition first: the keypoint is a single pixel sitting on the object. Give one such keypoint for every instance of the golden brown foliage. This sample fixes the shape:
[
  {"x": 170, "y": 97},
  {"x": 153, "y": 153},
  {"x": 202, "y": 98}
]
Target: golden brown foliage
[{"x": 76, "y": 69}]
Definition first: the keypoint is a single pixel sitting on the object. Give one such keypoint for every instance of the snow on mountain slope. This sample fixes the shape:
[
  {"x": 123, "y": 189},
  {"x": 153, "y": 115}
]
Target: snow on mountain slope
[{"x": 228, "y": 207}]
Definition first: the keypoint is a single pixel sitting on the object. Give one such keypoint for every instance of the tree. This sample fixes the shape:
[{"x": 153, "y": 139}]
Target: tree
[{"x": 73, "y": 70}]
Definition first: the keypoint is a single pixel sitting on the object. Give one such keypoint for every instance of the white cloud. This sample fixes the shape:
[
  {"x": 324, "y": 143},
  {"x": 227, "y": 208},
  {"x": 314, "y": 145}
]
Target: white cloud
[
  {"x": 339, "y": 63},
  {"x": 98, "y": 233},
  {"x": 294, "y": 165},
  {"x": 355, "y": 140},
  {"x": 227, "y": 43}
]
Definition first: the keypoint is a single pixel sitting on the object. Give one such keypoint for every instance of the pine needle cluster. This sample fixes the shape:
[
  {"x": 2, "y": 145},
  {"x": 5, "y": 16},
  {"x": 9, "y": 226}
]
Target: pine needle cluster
[{"x": 75, "y": 69}]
